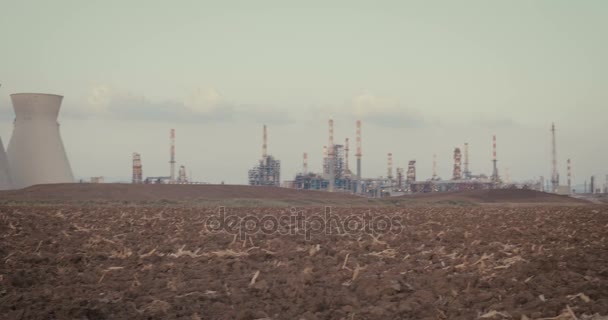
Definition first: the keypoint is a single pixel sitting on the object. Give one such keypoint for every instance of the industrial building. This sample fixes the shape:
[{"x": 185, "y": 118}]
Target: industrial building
[
  {"x": 172, "y": 178},
  {"x": 268, "y": 170},
  {"x": 35, "y": 153},
  {"x": 336, "y": 175}
]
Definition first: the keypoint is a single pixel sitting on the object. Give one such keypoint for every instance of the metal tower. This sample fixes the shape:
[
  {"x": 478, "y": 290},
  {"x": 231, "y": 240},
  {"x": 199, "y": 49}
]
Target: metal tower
[
  {"x": 389, "y": 166},
  {"x": 172, "y": 161},
  {"x": 358, "y": 155},
  {"x": 495, "y": 178},
  {"x": 466, "y": 172},
  {"x": 569, "y": 177},
  {"x": 137, "y": 168},
  {"x": 434, "y": 167},
  {"x": 554, "y": 173},
  {"x": 330, "y": 149},
  {"x": 346, "y": 169},
  {"x": 265, "y": 146}
]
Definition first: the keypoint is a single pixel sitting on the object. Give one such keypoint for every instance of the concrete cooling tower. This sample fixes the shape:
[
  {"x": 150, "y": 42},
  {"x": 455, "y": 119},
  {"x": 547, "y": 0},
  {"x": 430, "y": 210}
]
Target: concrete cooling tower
[
  {"x": 5, "y": 178},
  {"x": 35, "y": 152}
]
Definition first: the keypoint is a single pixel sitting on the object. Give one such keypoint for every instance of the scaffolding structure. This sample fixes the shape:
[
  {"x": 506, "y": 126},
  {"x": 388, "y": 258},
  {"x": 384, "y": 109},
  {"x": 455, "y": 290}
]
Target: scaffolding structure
[
  {"x": 266, "y": 173},
  {"x": 137, "y": 169},
  {"x": 457, "y": 172},
  {"x": 181, "y": 175},
  {"x": 411, "y": 172},
  {"x": 400, "y": 181}
]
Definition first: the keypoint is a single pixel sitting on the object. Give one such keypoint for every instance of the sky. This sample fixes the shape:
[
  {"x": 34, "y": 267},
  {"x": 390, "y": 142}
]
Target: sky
[{"x": 424, "y": 77}]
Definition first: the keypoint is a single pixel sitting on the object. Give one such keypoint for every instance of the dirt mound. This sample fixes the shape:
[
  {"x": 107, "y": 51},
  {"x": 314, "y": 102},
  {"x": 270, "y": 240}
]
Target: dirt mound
[
  {"x": 155, "y": 192},
  {"x": 497, "y": 196}
]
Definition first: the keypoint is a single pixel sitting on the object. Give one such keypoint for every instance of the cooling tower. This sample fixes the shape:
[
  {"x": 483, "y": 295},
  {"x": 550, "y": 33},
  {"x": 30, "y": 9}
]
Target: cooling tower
[
  {"x": 5, "y": 178},
  {"x": 35, "y": 152}
]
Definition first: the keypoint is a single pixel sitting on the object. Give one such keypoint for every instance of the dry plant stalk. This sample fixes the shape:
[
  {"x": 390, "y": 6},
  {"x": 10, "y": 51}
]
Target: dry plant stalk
[
  {"x": 386, "y": 253},
  {"x": 345, "y": 261},
  {"x": 358, "y": 269},
  {"x": 255, "y": 276},
  {"x": 106, "y": 271},
  {"x": 145, "y": 255}
]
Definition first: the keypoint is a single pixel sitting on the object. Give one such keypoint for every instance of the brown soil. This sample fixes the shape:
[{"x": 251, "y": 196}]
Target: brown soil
[{"x": 162, "y": 263}]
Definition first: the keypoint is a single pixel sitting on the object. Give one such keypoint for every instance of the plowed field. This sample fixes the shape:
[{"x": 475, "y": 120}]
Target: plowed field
[{"x": 75, "y": 262}]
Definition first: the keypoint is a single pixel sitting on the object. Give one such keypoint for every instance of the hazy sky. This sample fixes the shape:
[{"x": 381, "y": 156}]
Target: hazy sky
[{"x": 423, "y": 76}]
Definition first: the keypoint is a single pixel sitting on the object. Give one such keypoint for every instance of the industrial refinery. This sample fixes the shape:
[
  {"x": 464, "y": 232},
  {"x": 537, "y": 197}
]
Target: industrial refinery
[
  {"x": 36, "y": 136},
  {"x": 336, "y": 175}
]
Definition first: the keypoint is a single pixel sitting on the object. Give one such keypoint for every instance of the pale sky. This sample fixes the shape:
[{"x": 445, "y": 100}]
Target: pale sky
[{"x": 423, "y": 76}]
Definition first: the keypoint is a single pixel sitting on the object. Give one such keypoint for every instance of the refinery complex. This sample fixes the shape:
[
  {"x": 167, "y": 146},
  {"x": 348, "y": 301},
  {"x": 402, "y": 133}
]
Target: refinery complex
[{"x": 36, "y": 136}]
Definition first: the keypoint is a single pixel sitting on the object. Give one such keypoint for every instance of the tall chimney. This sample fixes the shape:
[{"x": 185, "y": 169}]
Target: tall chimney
[
  {"x": 569, "y": 178},
  {"x": 265, "y": 146},
  {"x": 495, "y": 178},
  {"x": 389, "y": 162},
  {"x": 434, "y": 167},
  {"x": 330, "y": 148},
  {"x": 554, "y": 173},
  {"x": 346, "y": 156},
  {"x": 467, "y": 173},
  {"x": 172, "y": 161},
  {"x": 358, "y": 155}
]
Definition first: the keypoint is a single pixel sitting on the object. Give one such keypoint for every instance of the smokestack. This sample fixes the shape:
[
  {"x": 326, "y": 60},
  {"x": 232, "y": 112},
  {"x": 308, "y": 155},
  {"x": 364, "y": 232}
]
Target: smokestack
[
  {"x": 358, "y": 155},
  {"x": 325, "y": 161},
  {"x": 346, "y": 156},
  {"x": 434, "y": 167},
  {"x": 569, "y": 177},
  {"x": 137, "y": 168},
  {"x": 265, "y": 146},
  {"x": 172, "y": 161},
  {"x": 554, "y": 173},
  {"x": 35, "y": 152},
  {"x": 305, "y": 164},
  {"x": 467, "y": 173},
  {"x": 494, "y": 177},
  {"x": 331, "y": 155},
  {"x": 389, "y": 173}
]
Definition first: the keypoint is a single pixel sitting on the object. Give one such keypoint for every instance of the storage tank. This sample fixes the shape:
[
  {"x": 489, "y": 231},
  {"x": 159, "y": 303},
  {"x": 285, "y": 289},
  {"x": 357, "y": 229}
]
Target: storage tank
[{"x": 35, "y": 152}]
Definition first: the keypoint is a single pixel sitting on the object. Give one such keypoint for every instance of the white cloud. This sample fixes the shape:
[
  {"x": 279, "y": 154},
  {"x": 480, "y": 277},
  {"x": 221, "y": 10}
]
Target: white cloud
[
  {"x": 204, "y": 100},
  {"x": 202, "y": 105}
]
